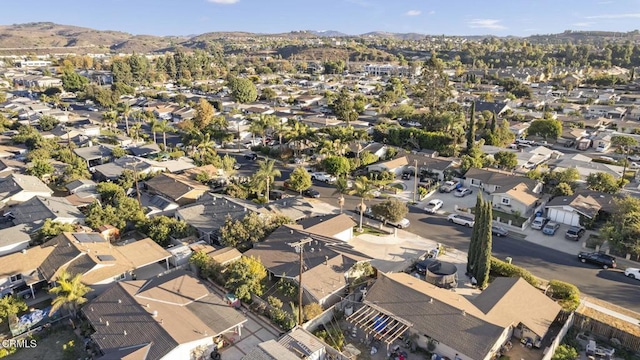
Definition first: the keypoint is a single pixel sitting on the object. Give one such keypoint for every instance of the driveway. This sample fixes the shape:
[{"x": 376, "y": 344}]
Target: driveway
[{"x": 450, "y": 201}]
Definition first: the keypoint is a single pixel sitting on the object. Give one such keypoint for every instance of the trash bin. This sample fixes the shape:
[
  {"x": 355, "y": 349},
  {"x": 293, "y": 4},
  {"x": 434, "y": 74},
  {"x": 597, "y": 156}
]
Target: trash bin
[{"x": 508, "y": 259}]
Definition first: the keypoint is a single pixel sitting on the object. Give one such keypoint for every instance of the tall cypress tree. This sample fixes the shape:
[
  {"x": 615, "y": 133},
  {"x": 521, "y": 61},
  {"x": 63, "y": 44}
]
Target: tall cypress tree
[
  {"x": 473, "y": 244},
  {"x": 471, "y": 131},
  {"x": 483, "y": 264},
  {"x": 493, "y": 124}
]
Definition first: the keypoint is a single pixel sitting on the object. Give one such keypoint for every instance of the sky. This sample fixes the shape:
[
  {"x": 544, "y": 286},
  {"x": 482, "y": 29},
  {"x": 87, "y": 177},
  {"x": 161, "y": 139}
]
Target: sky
[{"x": 353, "y": 17}]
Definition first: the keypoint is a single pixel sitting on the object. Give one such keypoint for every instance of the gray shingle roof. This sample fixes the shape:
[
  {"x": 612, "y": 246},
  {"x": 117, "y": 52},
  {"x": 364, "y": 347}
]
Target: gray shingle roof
[
  {"x": 15, "y": 183},
  {"x": 37, "y": 209},
  {"x": 445, "y": 323},
  {"x": 209, "y": 213},
  {"x": 14, "y": 235}
]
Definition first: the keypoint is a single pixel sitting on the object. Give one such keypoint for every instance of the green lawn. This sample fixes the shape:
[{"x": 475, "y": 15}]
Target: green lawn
[{"x": 50, "y": 346}]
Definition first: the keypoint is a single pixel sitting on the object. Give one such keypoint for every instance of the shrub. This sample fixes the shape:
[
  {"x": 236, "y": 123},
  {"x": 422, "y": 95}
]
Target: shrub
[
  {"x": 567, "y": 294},
  {"x": 501, "y": 268},
  {"x": 565, "y": 352},
  {"x": 282, "y": 319},
  {"x": 275, "y": 302},
  {"x": 334, "y": 337},
  {"x": 311, "y": 311}
]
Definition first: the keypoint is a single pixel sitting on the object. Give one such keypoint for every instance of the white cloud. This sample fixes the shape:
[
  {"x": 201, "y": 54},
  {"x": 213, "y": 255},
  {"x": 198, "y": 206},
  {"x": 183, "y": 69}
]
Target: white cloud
[
  {"x": 615, "y": 16},
  {"x": 413, "y": 13},
  {"x": 582, "y": 24},
  {"x": 491, "y": 24},
  {"x": 224, "y": 2}
]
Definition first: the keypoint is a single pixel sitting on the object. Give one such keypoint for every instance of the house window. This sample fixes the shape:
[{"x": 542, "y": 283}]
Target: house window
[
  {"x": 476, "y": 182},
  {"x": 122, "y": 276},
  {"x": 505, "y": 201},
  {"x": 15, "y": 278}
]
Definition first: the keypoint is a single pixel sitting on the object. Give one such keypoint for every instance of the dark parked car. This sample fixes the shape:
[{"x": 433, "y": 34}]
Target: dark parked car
[
  {"x": 277, "y": 194},
  {"x": 251, "y": 156},
  {"x": 499, "y": 231},
  {"x": 367, "y": 212},
  {"x": 598, "y": 258},
  {"x": 311, "y": 193},
  {"x": 574, "y": 233}
]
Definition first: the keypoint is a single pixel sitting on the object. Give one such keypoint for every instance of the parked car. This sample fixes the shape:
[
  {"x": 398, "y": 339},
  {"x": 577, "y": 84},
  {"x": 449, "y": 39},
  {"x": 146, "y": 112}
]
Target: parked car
[
  {"x": 251, "y": 156},
  {"x": 461, "y": 220},
  {"x": 433, "y": 206},
  {"x": 449, "y": 186},
  {"x": 402, "y": 224},
  {"x": 367, "y": 212},
  {"x": 462, "y": 192},
  {"x": 312, "y": 193},
  {"x": 634, "y": 157},
  {"x": 498, "y": 231},
  {"x": 406, "y": 176},
  {"x": 574, "y": 233},
  {"x": 598, "y": 258},
  {"x": 539, "y": 222},
  {"x": 550, "y": 228},
  {"x": 633, "y": 273},
  {"x": 324, "y": 177},
  {"x": 277, "y": 194}
]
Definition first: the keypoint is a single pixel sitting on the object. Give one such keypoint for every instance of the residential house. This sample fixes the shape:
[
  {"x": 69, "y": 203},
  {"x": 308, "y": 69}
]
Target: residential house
[
  {"x": 17, "y": 188},
  {"x": 82, "y": 192},
  {"x": 607, "y": 111},
  {"x": 14, "y": 239},
  {"x": 572, "y": 209},
  {"x": 177, "y": 188},
  {"x": 329, "y": 262},
  {"x": 184, "y": 113},
  {"x": 145, "y": 150},
  {"x": 492, "y": 180},
  {"x": 436, "y": 166},
  {"x": 94, "y": 155},
  {"x": 111, "y": 171},
  {"x": 315, "y": 121},
  {"x": 530, "y": 158},
  {"x": 164, "y": 318},
  {"x": 81, "y": 185},
  {"x": 294, "y": 207},
  {"x": 395, "y": 166},
  {"x": 377, "y": 149},
  {"x": 519, "y": 128},
  {"x": 209, "y": 213},
  {"x": 492, "y": 107},
  {"x": 601, "y": 142},
  {"x": 37, "y": 81},
  {"x": 100, "y": 262},
  {"x": 11, "y": 166},
  {"x": 585, "y": 166},
  {"x": 21, "y": 268},
  {"x": 298, "y": 343},
  {"x": 36, "y": 210},
  {"x": 458, "y": 327},
  {"x": 225, "y": 256},
  {"x": 336, "y": 226}
]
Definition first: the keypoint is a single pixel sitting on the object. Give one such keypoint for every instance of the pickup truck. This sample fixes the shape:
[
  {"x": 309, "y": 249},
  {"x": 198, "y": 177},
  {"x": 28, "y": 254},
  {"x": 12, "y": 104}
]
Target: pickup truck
[
  {"x": 324, "y": 177},
  {"x": 461, "y": 220},
  {"x": 449, "y": 186}
]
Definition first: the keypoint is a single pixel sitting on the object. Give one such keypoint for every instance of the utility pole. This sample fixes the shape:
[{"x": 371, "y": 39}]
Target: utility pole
[
  {"x": 300, "y": 246},
  {"x": 135, "y": 180},
  {"x": 415, "y": 180}
]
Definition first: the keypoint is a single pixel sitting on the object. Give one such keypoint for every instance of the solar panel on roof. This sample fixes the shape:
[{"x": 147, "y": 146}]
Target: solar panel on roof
[
  {"x": 106, "y": 258},
  {"x": 89, "y": 238}
]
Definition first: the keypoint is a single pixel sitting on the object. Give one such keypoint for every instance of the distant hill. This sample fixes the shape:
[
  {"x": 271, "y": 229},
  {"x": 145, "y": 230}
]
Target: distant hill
[{"x": 46, "y": 36}]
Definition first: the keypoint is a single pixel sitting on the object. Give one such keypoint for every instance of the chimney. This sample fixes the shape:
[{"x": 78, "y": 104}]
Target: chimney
[{"x": 326, "y": 260}]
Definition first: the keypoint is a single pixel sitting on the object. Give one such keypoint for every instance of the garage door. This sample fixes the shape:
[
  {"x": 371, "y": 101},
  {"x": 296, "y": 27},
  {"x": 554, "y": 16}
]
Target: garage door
[{"x": 564, "y": 217}]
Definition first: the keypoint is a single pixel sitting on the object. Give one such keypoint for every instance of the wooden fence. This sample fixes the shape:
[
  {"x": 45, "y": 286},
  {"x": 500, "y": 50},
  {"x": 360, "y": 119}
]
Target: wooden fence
[{"x": 601, "y": 329}]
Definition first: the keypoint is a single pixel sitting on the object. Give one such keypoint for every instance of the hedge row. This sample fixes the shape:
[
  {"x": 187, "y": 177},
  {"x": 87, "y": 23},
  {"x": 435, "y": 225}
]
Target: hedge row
[{"x": 501, "y": 268}]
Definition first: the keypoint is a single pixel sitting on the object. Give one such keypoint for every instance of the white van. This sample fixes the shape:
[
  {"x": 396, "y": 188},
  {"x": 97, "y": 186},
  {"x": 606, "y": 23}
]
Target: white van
[{"x": 538, "y": 223}]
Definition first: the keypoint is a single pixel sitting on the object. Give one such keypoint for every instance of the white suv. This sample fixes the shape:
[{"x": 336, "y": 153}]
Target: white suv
[{"x": 324, "y": 177}]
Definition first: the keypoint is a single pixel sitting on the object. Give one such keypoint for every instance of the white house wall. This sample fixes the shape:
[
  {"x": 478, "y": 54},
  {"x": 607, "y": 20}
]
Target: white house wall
[
  {"x": 9, "y": 249},
  {"x": 184, "y": 351},
  {"x": 345, "y": 235}
]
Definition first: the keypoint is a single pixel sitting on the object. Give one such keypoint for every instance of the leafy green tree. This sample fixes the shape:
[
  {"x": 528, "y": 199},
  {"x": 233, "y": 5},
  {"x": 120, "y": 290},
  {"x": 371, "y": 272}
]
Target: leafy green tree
[
  {"x": 392, "y": 210},
  {"x": 118, "y": 152},
  {"x": 70, "y": 293},
  {"x": 506, "y": 159},
  {"x": 51, "y": 229},
  {"x": 433, "y": 86},
  {"x": 562, "y": 189},
  {"x": 11, "y": 306},
  {"x": 367, "y": 158},
  {"x": 565, "y": 352},
  {"x": 48, "y": 122},
  {"x": 546, "y": 128},
  {"x": 265, "y": 176},
  {"x": 343, "y": 107},
  {"x": 72, "y": 81},
  {"x": 336, "y": 165},
  {"x": 162, "y": 228},
  {"x": 299, "y": 180},
  {"x": 165, "y": 127},
  {"x": 624, "y": 143},
  {"x": 569, "y": 176},
  {"x": 243, "y": 90},
  {"x": 39, "y": 168},
  {"x": 204, "y": 114},
  {"x": 245, "y": 277},
  {"x": 110, "y": 192},
  {"x": 603, "y": 182},
  {"x": 623, "y": 226}
]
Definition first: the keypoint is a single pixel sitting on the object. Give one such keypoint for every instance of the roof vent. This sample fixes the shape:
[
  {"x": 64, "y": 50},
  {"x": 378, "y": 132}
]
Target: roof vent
[
  {"x": 431, "y": 301},
  {"x": 107, "y": 323},
  {"x": 161, "y": 321},
  {"x": 119, "y": 301},
  {"x": 125, "y": 333},
  {"x": 155, "y": 313},
  {"x": 291, "y": 231},
  {"x": 146, "y": 305}
]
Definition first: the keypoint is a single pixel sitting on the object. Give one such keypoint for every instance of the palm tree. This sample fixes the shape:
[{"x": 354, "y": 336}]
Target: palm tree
[
  {"x": 342, "y": 187},
  {"x": 109, "y": 118},
  {"x": 266, "y": 174},
  {"x": 363, "y": 188},
  {"x": 135, "y": 131},
  {"x": 70, "y": 292},
  {"x": 164, "y": 128},
  {"x": 124, "y": 109},
  {"x": 205, "y": 144},
  {"x": 155, "y": 128},
  {"x": 297, "y": 133}
]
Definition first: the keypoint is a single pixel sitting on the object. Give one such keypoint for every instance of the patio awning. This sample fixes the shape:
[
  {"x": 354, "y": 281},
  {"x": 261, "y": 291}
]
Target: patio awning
[{"x": 374, "y": 320}]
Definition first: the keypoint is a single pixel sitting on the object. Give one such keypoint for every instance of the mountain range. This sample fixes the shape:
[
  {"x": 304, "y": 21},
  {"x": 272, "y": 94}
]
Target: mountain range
[{"x": 20, "y": 38}]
